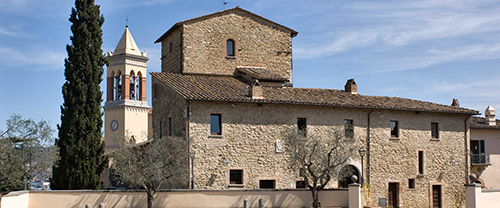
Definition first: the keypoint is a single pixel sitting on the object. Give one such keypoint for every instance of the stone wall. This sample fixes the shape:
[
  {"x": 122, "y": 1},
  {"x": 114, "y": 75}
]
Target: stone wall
[
  {"x": 257, "y": 43},
  {"x": 169, "y": 106},
  {"x": 249, "y": 133},
  {"x": 171, "y": 60},
  {"x": 396, "y": 160},
  {"x": 248, "y": 140}
]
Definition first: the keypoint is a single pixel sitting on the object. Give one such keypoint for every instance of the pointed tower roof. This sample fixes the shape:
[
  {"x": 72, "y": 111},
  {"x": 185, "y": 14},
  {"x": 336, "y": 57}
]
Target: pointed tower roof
[
  {"x": 127, "y": 44},
  {"x": 490, "y": 108}
]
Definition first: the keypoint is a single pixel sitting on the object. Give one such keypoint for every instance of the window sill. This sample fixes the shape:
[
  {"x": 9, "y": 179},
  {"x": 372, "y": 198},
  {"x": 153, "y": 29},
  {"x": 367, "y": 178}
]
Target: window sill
[
  {"x": 214, "y": 136},
  {"x": 411, "y": 189},
  {"x": 420, "y": 175},
  {"x": 230, "y": 57},
  {"x": 395, "y": 138},
  {"x": 236, "y": 185},
  {"x": 435, "y": 139}
]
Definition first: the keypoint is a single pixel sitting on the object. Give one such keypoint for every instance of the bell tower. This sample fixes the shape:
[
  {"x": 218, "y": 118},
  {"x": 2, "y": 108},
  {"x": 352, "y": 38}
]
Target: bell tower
[{"x": 126, "y": 109}]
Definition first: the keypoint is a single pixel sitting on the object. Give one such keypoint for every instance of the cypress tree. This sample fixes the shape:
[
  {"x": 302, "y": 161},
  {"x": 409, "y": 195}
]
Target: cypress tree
[{"x": 81, "y": 149}]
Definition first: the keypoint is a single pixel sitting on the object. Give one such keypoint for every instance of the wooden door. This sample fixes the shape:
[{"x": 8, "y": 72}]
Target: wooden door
[
  {"x": 436, "y": 196},
  {"x": 393, "y": 199}
]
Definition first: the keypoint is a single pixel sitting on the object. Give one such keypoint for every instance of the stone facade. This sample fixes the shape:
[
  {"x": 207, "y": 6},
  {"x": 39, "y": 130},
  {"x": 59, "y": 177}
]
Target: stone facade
[
  {"x": 200, "y": 46},
  {"x": 251, "y": 130}
]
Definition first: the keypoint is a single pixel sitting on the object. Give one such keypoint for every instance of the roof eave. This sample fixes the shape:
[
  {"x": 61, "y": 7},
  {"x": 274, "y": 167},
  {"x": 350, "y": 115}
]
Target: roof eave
[{"x": 470, "y": 113}]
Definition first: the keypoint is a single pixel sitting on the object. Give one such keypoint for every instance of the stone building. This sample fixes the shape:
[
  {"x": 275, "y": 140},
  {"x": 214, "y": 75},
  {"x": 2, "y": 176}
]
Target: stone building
[
  {"x": 485, "y": 148},
  {"x": 226, "y": 83}
]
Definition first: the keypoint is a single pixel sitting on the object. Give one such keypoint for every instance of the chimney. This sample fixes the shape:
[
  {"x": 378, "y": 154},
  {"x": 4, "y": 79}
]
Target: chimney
[
  {"x": 256, "y": 91},
  {"x": 489, "y": 114},
  {"x": 455, "y": 103},
  {"x": 351, "y": 87}
]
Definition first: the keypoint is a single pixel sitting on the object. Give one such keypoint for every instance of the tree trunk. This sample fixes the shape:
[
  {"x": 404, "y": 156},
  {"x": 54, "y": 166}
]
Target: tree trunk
[
  {"x": 316, "y": 202},
  {"x": 150, "y": 198}
]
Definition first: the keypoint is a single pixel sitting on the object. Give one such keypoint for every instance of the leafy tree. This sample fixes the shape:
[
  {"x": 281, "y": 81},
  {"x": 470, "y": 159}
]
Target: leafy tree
[
  {"x": 318, "y": 158},
  {"x": 81, "y": 149},
  {"x": 152, "y": 164},
  {"x": 26, "y": 153}
]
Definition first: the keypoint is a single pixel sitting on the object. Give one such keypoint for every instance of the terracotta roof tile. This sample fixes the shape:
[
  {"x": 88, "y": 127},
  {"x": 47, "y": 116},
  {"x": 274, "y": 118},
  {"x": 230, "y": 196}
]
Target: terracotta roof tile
[
  {"x": 481, "y": 123},
  {"x": 230, "y": 89},
  {"x": 260, "y": 73}
]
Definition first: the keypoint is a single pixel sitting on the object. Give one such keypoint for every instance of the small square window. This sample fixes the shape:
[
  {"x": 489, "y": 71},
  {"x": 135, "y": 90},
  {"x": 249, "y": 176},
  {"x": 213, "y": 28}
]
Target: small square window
[
  {"x": 435, "y": 130},
  {"x": 236, "y": 177},
  {"x": 394, "y": 129},
  {"x": 267, "y": 184},
  {"x": 215, "y": 124},
  {"x": 300, "y": 184},
  {"x": 302, "y": 126},
  {"x": 349, "y": 128},
  {"x": 411, "y": 183}
]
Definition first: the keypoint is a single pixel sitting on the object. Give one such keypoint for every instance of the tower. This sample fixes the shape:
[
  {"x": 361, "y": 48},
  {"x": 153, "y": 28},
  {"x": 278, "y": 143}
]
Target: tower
[{"x": 126, "y": 109}]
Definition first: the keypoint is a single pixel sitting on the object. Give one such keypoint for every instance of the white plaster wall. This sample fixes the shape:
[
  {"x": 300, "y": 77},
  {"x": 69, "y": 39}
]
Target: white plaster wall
[
  {"x": 186, "y": 198},
  {"x": 491, "y": 174},
  {"x": 17, "y": 199}
]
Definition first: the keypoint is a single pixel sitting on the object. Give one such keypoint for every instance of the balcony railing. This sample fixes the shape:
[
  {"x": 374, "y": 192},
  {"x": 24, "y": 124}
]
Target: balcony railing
[{"x": 480, "y": 159}]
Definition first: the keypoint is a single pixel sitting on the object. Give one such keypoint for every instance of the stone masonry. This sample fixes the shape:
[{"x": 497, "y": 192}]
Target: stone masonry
[
  {"x": 252, "y": 127},
  {"x": 199, "y": 46}
]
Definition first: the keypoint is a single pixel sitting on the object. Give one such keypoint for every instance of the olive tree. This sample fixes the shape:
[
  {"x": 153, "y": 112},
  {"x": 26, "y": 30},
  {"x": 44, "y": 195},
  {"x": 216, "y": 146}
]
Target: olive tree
[
  {"x": 27, "y": 153},
  {"x": 151, "y": 164},
  {"x": 318, "y": 157}
]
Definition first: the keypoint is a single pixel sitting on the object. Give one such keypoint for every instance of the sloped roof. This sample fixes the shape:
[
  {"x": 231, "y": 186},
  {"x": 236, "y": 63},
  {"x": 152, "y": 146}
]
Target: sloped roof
[
  {"x": 482, "y": 123},
  {"x": 229, "y": 89},
  {"x": 260, "y": 73},
  {"x": 293, "y": 33},
  {"x": 127, "y": 44}
]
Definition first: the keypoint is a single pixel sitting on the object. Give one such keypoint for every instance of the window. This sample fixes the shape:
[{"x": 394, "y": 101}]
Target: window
[
  {"x": 421, "y": 162},
  {"x": 170, "y": 47},
  {"x": 435, "y": 130},
  {"x": 236, "y": 177},
  {"x": 411, "y": 183},
  {"x": 302, "y": 126},
  {"x": 215, "y": 124},
  {"x": 300, "y": 184},
  {"x": 349, "y": 128},
  {"x": 394, "y": 129},
  {"x": 267, "y": 184},
  {"x": 478, "y": 155},
  {"x": 230, "y": 47},
  {"x": 170, "y": 126}
]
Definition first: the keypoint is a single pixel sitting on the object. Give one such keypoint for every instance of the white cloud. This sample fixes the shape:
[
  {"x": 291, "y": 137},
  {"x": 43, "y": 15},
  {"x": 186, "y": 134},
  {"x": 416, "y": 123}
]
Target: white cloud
[
  {"x": 35, "y": 59},
  {"x": 417, "y": 34}
]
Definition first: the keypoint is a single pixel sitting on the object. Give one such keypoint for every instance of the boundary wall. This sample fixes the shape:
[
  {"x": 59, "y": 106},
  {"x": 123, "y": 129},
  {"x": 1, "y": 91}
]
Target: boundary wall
[{"x": 180, "y": 198}]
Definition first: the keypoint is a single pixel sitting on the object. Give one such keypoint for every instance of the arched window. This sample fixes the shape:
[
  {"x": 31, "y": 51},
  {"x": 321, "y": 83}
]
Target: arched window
[
  {"x": 230, "y": 47},
  {"x": 118, "y": 87},
  {"x": 132, "y": 86},
  {"x": 138, "y": 86}
]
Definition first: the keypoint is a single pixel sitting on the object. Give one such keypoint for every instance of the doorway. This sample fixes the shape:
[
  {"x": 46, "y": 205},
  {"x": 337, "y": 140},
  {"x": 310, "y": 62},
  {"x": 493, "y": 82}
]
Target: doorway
[
  {"x": 393, "y": 199},
  {"x": 345, "y": 176},
  {"x": 436, "y": 196}
]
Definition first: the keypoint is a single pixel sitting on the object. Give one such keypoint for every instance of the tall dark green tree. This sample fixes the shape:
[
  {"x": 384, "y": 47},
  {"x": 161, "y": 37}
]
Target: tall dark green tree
[{"x": 81, "y": 149}]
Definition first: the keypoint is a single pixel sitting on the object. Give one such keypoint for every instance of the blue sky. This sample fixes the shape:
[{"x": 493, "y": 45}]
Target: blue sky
[{"x": 427, "y": 50}]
